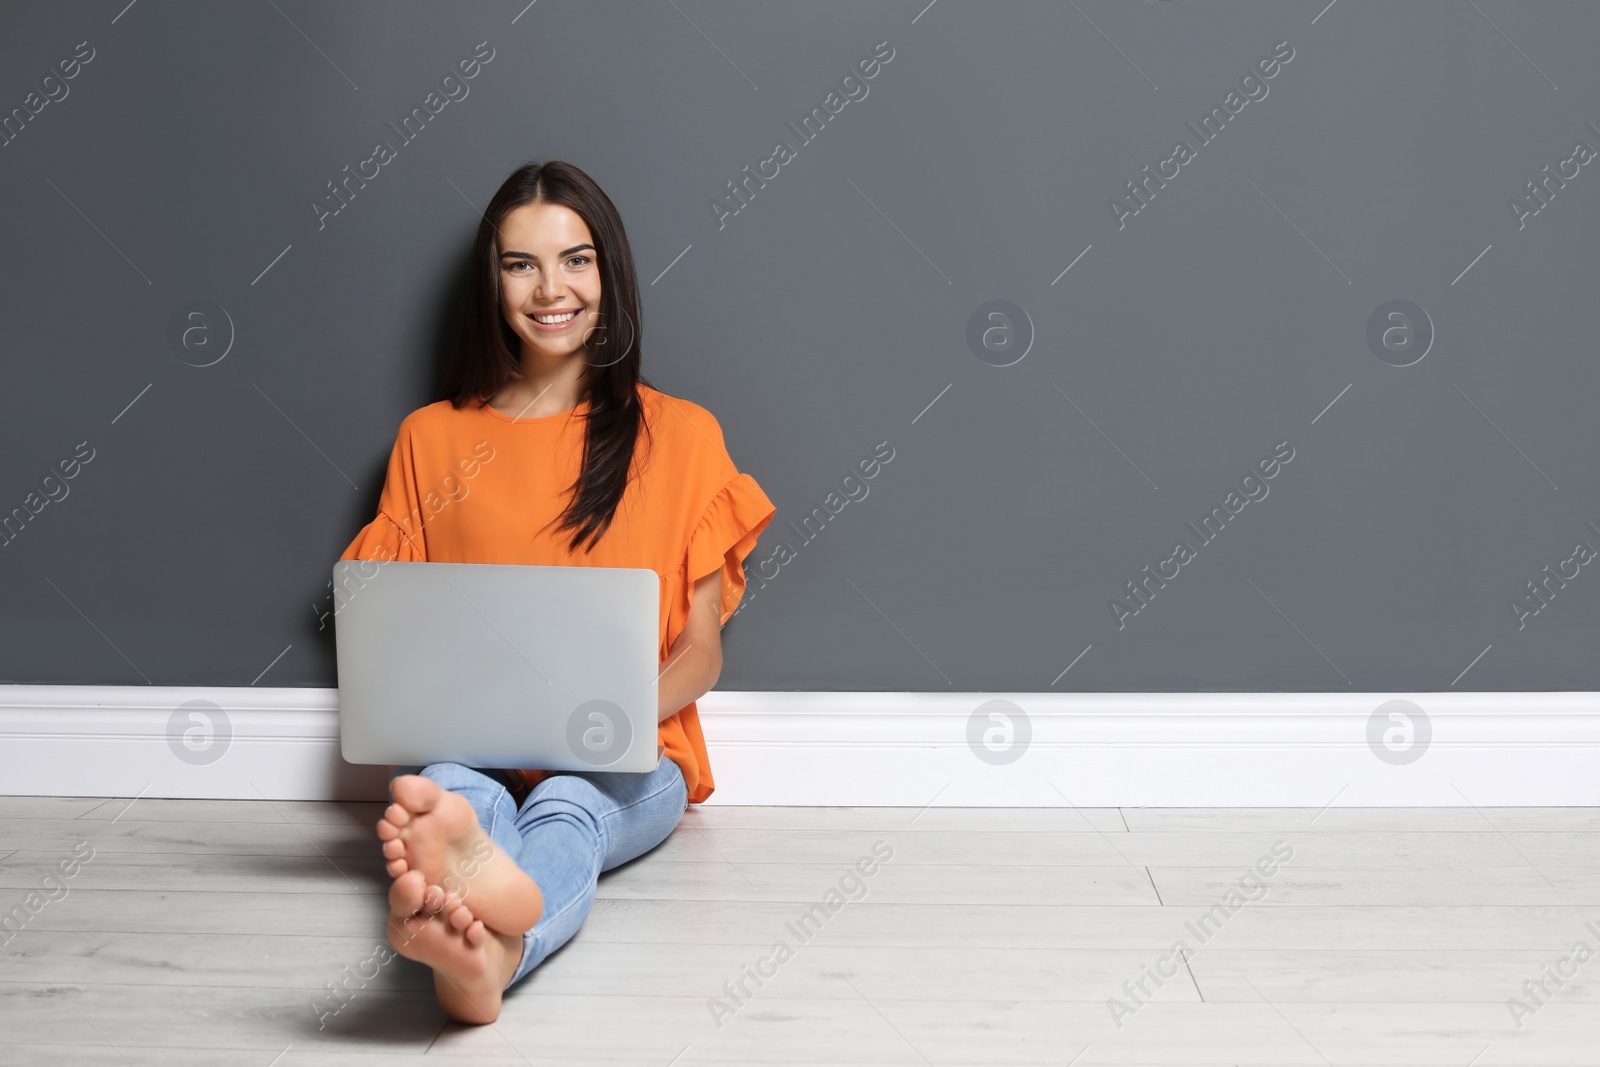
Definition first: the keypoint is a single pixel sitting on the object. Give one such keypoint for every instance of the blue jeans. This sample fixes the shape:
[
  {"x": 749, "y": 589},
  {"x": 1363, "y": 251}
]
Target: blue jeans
[{"x": 569, "y": 828}]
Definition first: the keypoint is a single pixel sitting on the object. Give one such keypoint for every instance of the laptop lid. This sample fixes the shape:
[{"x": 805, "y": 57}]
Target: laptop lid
[{"x": 497, "y": 665}]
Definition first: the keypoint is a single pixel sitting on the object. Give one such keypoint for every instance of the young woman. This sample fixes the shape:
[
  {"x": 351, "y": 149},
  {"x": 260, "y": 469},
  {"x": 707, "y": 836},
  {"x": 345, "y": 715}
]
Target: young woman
[{"x": 548, "y": 447}]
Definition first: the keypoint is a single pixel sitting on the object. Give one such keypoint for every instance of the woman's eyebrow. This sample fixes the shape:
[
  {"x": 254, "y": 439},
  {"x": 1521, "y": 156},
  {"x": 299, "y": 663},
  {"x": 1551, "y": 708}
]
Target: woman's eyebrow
[{"x": 559, "y": 255}]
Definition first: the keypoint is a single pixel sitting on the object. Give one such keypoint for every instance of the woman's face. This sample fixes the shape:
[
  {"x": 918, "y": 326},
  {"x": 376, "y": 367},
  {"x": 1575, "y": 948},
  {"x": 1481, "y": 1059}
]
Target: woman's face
[{"x": 549, "y": 268}]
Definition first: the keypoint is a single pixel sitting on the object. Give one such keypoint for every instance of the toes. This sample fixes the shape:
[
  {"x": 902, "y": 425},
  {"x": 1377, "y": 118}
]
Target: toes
[
  {"x": 440, "y": 900},
  {"x": 433, "y": 898},
  {"x": 415, "y": 793},
  {"x": 396, "y": 816},
  {"x": 447, "y": 905},
  {"x": 394, "y": 849},
  {"x": 476, "y": 934},
  {"x": 406, "y": 894},
  {"x": 397, "y": 867}
]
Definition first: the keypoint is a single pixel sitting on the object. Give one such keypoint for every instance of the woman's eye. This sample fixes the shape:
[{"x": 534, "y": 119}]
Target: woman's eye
[{"x": 581, "y": 260}]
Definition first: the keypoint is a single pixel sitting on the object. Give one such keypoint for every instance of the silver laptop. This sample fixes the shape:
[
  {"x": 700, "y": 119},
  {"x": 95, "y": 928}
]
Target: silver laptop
[{"x": 497, "y": 665}]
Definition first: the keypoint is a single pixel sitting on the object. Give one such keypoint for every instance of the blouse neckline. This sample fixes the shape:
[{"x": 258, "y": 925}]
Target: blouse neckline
[{"x": 581, "y": 406}]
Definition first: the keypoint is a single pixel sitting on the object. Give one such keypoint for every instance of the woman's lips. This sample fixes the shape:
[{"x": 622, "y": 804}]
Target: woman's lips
[{"x": 556, "y": 327}]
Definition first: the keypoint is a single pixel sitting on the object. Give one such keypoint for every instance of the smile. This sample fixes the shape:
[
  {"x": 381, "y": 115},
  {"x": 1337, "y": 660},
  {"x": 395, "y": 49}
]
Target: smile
[{"x": 555, "y": 319}]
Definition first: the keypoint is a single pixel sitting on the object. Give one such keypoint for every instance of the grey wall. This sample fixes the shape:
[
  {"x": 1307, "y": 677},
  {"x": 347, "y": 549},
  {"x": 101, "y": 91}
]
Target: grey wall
[{"x": 1228, "y": 314}]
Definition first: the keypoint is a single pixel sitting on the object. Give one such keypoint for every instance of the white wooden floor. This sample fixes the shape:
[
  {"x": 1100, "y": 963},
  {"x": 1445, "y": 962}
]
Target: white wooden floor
[{"x": 204, "y": 932}]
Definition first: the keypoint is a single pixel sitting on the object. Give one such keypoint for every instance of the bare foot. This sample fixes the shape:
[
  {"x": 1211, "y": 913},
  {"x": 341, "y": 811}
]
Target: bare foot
[
  {"x": 471, "y": 963},
  {"x": 434, "y": 831}
]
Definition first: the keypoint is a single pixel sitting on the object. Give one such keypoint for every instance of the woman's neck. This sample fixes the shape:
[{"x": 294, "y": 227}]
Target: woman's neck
[{"x": 542, "y": 392}]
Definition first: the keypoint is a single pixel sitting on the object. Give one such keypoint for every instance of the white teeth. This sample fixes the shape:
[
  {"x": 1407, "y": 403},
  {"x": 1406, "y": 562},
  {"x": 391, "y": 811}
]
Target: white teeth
[{"x": 551, "y": 320}]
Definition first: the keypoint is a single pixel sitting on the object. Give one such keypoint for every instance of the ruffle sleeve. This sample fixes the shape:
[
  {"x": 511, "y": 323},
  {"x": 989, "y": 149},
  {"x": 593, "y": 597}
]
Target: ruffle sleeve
[
  {"x": 384, "y": 539},
  {"x": 724, "y": 536},
  {"x": 387, "y": 537}
]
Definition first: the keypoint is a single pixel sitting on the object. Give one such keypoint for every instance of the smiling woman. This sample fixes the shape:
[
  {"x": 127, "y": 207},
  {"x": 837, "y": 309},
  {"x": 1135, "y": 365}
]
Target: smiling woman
[{"x": 593, "y": 467}]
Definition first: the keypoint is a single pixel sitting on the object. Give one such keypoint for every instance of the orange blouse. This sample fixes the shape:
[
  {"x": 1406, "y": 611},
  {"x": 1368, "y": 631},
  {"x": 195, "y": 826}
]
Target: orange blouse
[{"x": 476, "y": 486}]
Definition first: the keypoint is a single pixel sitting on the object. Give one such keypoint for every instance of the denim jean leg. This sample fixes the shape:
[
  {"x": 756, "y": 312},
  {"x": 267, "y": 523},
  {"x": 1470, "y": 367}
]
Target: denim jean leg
[{"x": 576, "y": 825}]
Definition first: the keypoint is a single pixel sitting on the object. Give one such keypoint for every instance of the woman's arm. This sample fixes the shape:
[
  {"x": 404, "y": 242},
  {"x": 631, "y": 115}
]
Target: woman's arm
[{"x": 695, "y": 659}]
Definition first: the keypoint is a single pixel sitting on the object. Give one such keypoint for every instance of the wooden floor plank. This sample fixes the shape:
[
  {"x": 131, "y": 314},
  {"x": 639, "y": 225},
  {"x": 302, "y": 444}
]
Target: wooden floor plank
[{"x": 209, "y": 932}]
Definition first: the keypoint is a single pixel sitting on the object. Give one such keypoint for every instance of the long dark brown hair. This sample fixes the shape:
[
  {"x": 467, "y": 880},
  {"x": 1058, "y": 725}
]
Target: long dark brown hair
[{"x": 486, "y": 351}]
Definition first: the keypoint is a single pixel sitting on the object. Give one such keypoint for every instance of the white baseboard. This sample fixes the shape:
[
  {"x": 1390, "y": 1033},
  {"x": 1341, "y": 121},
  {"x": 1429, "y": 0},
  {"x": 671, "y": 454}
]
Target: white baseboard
[{"x": 879, "y": 749}]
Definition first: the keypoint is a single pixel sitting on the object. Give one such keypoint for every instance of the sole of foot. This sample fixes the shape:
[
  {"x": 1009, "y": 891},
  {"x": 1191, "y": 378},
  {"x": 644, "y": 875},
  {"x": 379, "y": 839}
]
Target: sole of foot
[
  {"x": 471, "y": 963},
  {"x": 434, "y": 831}
]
